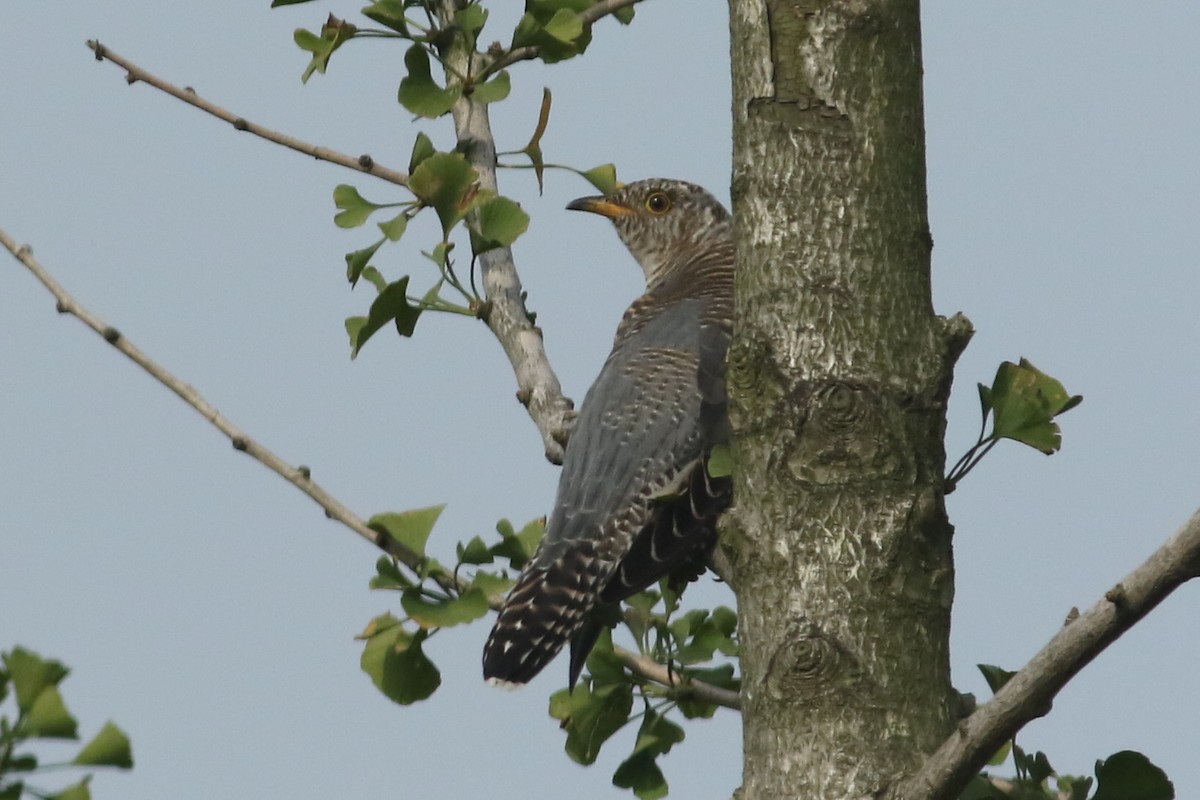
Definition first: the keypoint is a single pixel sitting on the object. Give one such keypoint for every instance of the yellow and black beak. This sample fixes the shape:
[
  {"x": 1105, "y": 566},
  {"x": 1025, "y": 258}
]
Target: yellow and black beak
[{"x": 600, "y": 205}]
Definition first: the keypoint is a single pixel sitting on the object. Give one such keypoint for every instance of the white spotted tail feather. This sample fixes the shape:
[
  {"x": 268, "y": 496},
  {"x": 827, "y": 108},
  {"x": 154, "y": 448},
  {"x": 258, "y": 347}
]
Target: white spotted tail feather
[{"x": 542, "y": 612}]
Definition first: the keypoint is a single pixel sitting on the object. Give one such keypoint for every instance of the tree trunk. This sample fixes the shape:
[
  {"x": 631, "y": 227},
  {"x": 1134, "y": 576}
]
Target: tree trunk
[{"x": 839, "y": 375}]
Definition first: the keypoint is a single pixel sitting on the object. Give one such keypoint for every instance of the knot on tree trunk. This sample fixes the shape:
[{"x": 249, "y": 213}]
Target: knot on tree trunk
[
  {"x": 809, "y": 663},
  {"x": 851, "y": 433}
]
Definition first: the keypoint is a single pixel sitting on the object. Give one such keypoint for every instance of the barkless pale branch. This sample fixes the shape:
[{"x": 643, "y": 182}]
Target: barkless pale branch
[{"x": 538, "y": 388}]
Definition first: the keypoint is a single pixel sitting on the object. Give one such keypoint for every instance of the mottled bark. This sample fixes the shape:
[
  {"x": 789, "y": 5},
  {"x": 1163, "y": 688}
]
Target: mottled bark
[{"x": 839, "y": 376}]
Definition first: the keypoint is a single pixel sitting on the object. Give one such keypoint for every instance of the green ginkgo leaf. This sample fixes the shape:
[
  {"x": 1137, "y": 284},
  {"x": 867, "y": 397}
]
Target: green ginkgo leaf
[
  {"x": 418, "y": 92},
  {"x": 108, "y": 748},
  {"x": 591, "y": 716},
  {"x": 31, "y": 674},
  {"x": 48, "y": 717},
  {"x": 603, "y": 177},
  {"x": 1129, "y": 775},
  {"x": 467, "y": 607},
  {"x": 396, "y": 663},
  {"x": 357, "y": 261},
  {"x": 501, "y": 221},
  {"x": 448, "y": 184},
  {"x": 389, "y": 13},
  {"x": 493, "y": 91},
  {"x": 409, "y": 528},
  {"x": 1024, "y": 402},
  {"x": 334, "y": 33},
  {"x": 354, "y": 207},
  {"x": 392, "y": 305}
]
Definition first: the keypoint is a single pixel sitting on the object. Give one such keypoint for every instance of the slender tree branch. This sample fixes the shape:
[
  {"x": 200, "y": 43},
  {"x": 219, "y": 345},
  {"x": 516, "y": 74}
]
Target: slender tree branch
[
  {"x": 588, "y": 17},
  {"x": 658, "y": 673},
  {"x": 300, "y": 477},
  {"x": 297, "y": 476},
  {"x": 1029, "y": 693},
  {"x": 538, "y": 388},
  {"x": 134, "y": 74}
]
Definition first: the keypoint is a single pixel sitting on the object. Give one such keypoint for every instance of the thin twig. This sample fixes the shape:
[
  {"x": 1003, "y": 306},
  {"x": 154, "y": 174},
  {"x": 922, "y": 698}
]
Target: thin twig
[
  {"x": 648, "y": 668},
  {"x": 589, "y": 17},
  {"x": 300, "y": 477},
  {"x": 1029, "y": 693},
  {"x": 135, "y": 74},
  {"x": 297, "y": 476}
]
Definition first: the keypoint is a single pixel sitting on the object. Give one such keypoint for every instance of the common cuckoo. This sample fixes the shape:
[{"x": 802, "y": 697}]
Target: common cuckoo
[{"x": 635, "y": 500}]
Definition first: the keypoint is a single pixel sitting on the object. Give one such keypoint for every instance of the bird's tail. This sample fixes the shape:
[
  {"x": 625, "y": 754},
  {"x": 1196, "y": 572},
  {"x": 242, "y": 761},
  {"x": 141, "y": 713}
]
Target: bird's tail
[{"x": 543, "y": 611}]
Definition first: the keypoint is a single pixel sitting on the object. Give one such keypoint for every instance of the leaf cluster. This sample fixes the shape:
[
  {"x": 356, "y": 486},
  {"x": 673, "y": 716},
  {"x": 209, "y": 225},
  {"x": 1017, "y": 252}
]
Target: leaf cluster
[
  {"x": 696, "y": 644},
  {"x": 41, "y": 714},
  {"x": 432, "y": 598},
  {"x": 447, "y": 184},
  {"x": 603, "y": 703},
  {"x": 1022, "y": 403},
  {"x": 444, "y": 180}
]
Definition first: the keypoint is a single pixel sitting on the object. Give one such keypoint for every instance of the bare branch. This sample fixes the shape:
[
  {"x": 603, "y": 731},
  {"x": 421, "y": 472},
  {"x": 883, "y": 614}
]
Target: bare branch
[
  {"x": 297, "y": 476},
  {"x": 363, "y": 163},
  {"x": 538, "y": 388},
  {"x": 1029, "y": 693},
  {"x": 589, "y": 17}
]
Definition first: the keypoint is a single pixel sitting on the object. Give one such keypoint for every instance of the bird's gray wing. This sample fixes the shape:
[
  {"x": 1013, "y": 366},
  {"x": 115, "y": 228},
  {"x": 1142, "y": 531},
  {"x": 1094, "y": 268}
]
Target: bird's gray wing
[
  {"x": 637, "y": 435},
  {"x": 681, "y": 528}
]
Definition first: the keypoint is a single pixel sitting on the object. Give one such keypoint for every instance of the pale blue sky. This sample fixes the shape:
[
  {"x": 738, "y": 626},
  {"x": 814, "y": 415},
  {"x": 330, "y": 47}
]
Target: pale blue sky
[{"x": 209, "y": 608}]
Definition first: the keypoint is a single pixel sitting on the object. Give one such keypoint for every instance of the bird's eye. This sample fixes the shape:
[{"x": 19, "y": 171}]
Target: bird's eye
[{"x": 658, "y": 203}]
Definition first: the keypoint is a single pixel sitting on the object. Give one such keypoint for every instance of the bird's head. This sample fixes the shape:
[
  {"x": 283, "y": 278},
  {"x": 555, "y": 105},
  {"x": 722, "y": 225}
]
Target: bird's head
[{"x": 664, "y": 223}]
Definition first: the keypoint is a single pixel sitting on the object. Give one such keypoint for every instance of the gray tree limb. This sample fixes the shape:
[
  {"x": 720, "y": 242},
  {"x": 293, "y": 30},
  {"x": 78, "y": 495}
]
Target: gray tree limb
[{"x": 1029, "y": 693}]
